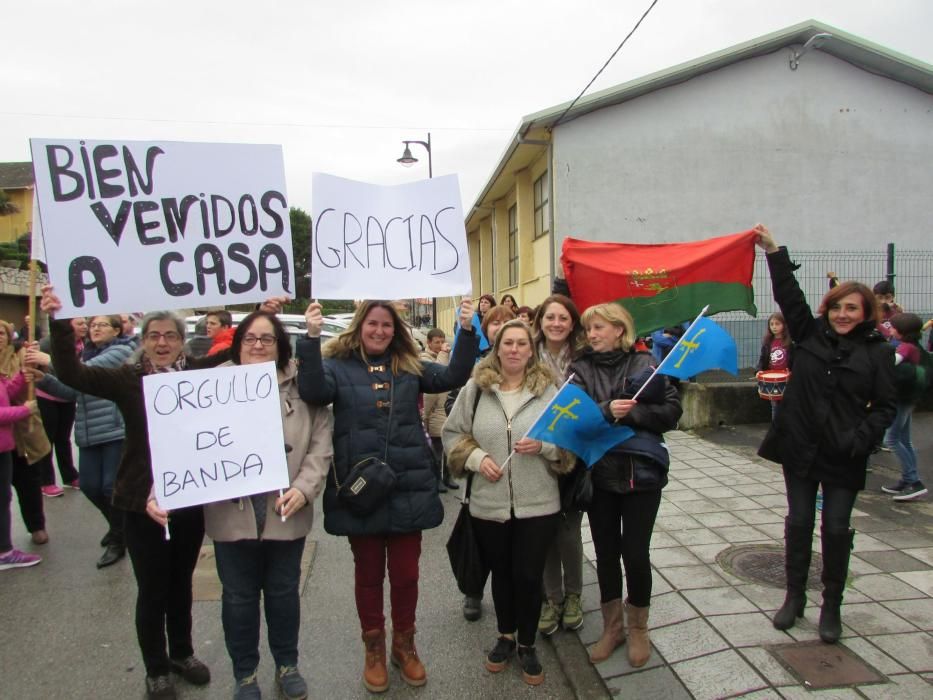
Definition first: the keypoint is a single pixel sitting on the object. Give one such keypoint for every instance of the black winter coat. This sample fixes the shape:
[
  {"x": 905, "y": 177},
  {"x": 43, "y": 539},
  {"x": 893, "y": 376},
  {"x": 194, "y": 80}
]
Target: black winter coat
[
  {"x": 641, "y": 462},
  {"x": 361, "y": 395},
  {"x": 841, "y": 397}
]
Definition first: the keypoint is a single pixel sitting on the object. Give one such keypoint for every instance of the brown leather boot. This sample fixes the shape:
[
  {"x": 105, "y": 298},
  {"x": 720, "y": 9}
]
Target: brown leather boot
[
  {"x": 375, "y": 675},
  {"x": 405, "y": 656},
  {"x": 639, "y": 645},
  {"x": 613, "y": 632}
]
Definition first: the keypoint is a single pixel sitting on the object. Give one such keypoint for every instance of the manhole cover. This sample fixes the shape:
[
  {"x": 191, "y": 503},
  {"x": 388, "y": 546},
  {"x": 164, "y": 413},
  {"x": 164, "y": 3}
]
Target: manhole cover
[
  {"x": 764, "y": 564},
  {"x": 820, "y": 665}
]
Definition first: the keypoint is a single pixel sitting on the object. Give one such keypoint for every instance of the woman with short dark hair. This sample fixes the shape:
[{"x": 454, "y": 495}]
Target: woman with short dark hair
[
  {"x": 833, "y": 413},
  {"x": 259, "y": 539}
]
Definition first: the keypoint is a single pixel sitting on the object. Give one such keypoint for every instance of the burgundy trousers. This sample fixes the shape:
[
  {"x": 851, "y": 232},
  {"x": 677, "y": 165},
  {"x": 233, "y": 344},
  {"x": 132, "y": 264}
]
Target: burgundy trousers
[{"x": 372, "y": 554}]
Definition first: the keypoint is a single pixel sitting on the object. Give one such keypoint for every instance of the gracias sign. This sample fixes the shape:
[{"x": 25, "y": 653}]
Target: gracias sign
[{"x": 145, "y": 225}]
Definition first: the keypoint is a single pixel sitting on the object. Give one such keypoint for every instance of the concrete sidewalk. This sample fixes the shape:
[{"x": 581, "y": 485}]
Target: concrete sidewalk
[
  {"x": 711, "y": 623},
  {"x": 68, "y": 628}
]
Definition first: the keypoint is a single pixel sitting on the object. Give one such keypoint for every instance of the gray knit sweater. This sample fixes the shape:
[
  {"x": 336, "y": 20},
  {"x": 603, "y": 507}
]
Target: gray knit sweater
[{"x": 529, "y": 485}]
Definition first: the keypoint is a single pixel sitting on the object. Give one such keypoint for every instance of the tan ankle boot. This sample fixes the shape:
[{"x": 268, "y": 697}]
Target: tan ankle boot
[
  {"x": 405, "y": 656},
  {"x": 613, "y": 632},
  {"x": 375, "y": 675},
  {"x": 639, "y": 645}
]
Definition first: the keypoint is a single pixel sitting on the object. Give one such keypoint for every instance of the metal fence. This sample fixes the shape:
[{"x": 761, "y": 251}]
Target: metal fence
[{"x": 913, "y": 282}]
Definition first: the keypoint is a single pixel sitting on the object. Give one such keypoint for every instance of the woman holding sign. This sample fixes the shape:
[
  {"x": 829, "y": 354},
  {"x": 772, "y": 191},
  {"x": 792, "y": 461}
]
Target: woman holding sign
[
  {"x": 628, "y": 480},
  {"x": 259, "y": 540},
  {"x": 163, "y": 567},
  {"x": 382, "y": 492},
  {"x": 514, "y": 506}
]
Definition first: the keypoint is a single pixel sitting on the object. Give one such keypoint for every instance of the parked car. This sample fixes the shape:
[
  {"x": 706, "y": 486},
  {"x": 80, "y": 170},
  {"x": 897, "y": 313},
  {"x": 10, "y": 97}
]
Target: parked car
[{"x": 294, "y": 323}]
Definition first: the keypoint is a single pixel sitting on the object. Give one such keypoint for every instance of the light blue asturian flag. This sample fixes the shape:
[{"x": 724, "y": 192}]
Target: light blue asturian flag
[
  {"x": 573, "y": 421},
  {"x": 705, "y": 345},
  {"x": 483, "y": 343}
]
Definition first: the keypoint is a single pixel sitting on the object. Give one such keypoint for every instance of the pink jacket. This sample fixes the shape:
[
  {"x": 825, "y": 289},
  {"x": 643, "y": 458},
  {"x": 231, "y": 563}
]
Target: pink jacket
[{"x": 10, "y": 414}]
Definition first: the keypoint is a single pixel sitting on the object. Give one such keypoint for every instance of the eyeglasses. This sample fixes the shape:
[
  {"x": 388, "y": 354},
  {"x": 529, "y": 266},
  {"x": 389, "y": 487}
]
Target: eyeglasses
[
  {"x": 101, "y": 325},
  {"x": 265, "y": 340},
  {"x": 169, "y": 337}
]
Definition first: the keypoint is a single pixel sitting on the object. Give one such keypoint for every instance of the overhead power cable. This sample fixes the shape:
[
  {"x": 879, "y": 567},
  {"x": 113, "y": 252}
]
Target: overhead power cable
[{"x": 618, "y": 48}]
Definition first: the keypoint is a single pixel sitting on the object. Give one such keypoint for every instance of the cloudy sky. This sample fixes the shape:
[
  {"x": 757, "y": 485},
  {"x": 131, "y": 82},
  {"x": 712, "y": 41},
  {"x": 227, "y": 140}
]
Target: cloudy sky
[{"x": 340, "y": 84}]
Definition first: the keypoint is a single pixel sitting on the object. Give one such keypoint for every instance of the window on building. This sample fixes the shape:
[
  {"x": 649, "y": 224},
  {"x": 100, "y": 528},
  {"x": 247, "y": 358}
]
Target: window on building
[
  {"x": 542, "y": 215},
  {"x": 513, "y": 245}
]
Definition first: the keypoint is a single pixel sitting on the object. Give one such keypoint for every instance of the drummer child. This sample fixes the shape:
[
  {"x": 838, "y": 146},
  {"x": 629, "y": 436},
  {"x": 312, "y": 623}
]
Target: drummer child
[{"x": 776, "y": 350}]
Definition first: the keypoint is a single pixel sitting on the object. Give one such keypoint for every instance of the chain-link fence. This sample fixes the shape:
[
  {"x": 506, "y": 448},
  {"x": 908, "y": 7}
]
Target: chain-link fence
[{"x": 913, "y": 281}]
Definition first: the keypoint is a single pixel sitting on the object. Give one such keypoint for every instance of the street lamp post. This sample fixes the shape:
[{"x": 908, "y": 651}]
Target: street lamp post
[{"x": 409, "y": 160}]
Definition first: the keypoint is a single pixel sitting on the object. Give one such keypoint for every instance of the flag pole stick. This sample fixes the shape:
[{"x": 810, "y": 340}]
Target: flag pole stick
[
  {"x": 670, "y": 354},
  {"x": 537, "y": 418}
]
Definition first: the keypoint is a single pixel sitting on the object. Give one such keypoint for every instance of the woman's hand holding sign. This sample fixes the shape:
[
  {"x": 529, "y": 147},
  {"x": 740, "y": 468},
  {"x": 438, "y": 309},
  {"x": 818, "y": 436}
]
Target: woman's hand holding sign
[
  {"x": 290, "y": 502},
  {"x": 315, "y": 319},
  {"x": 49, "y": 302},
  {"x": 466, "y": 313}
]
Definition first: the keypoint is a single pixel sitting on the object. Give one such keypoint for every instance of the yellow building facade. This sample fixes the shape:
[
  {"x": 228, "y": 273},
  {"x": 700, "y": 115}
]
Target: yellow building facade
[
  {"x": 17, "y": 184},
  {"x": 509, "y": 230}
]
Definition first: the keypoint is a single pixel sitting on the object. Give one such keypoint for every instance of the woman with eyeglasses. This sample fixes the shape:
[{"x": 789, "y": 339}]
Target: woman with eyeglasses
[
  {"x": 372, "y": 374},
  {"x": 163, "y": 567},
  {"x": 259, "y": 540},
  {"x": 99, "y": 428}
]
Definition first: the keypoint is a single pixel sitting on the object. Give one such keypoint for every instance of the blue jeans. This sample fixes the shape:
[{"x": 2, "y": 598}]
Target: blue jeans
[
  {"x": 897, "y": 439},
  {"x": 97, "y": 466},
  {"x": 248, "y": 568}
]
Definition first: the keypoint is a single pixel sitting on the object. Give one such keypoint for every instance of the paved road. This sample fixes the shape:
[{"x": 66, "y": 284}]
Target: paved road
[{"x": 68, "y": 628}]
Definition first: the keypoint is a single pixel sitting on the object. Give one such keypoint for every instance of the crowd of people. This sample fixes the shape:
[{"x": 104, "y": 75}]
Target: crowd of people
[{"x": 372, "y": 407}]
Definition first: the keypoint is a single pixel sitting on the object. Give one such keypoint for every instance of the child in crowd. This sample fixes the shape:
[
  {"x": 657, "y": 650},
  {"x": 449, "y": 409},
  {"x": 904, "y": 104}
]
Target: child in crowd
[
  {"x": 909, "y": 384},
  {"x": 884, "y": 291},
  {"x": 776, "y": 350}
]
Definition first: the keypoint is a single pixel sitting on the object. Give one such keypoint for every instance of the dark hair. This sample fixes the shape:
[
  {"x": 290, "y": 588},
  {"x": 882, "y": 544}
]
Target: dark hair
[
  {"x": 769, "y": 336},
  {"x": 113, "y": 319},
  {"x": 488, "y": 297},
  {"x": 281, "y": 338},
  {"x": 510, "y": 297},
  {"x": 844, "y": 289},
  {"x": 436, "y": 333},
  {"x": 527, "y": 310},
  {"x": 226, "y": 320},
  {"x": 909, "y": 326},
  {"x": 884, "y": 287},
  {"x": 577, "y": 336},
  {"x": 497, "y": 313}
]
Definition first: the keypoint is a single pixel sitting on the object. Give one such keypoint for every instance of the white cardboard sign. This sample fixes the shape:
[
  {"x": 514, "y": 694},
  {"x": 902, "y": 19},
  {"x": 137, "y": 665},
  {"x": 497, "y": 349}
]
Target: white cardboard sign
[
  {"x": 215, "y": 434},
  {"x": 387, "y": 242},
  {"x": 162, "y": 224}
]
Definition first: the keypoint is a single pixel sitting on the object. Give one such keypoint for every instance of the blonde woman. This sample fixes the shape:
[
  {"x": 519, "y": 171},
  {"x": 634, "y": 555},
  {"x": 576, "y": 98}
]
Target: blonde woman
[{"x": 628, "y": 480}]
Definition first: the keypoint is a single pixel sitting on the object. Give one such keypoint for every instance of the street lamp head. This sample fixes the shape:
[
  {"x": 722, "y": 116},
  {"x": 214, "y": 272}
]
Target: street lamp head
[{"x": 407, "y": 158}]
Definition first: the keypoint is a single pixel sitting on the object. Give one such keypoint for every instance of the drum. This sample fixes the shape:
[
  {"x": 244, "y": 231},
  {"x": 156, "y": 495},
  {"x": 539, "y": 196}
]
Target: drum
[{"x": 772, "y": 383}]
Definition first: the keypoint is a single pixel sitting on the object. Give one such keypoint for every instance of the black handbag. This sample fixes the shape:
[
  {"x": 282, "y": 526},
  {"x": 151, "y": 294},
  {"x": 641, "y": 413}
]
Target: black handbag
[
  {"x": 576, "y": 489},
  {"x": 463, "y": 550},
  {"x": 371, "y": 480},
  {"x": 464, "y": 553}
]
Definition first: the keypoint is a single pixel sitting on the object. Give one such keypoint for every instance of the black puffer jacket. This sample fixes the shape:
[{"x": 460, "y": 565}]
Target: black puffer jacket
[
  {"x": 641, "y": 462},
  {"x": 841, "y": 397},
  {"x": 361, "y": 394}
]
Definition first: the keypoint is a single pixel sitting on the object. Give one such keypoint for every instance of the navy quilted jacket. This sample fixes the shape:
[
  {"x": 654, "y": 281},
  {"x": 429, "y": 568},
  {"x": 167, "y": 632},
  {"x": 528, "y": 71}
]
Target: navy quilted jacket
[{"x": 363, "y": 404}]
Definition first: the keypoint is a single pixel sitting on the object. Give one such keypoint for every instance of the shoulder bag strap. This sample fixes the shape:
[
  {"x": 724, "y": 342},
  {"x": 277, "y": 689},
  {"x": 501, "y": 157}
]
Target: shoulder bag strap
[{"x": 469, "y": 486}]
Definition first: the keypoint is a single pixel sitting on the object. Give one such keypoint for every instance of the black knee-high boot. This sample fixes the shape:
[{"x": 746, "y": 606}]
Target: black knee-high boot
[
  {"x": 798, "y": 541},
  {"x": 837, "y": 544}
]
